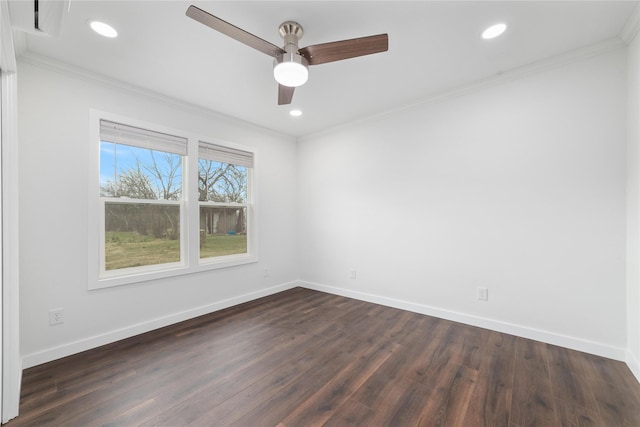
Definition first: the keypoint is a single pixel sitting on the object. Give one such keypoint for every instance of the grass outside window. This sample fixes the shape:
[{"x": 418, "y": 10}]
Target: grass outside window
[{"x": 130, "y": 249}]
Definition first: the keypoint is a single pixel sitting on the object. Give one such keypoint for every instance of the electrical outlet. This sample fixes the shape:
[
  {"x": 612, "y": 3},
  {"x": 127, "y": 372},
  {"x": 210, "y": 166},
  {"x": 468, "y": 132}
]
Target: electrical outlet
[
  {"x": 352, "y": 273},
  {"x": 265, "y": 273},
  {"x": 56, "y": 316},
  {"x": 483, "y": 293}
]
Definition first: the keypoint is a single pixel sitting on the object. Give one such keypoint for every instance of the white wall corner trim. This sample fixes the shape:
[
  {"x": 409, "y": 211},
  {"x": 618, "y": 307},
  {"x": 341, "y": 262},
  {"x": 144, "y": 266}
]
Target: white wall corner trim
[
  {"x": 11, "y": 362},
  {"x": 481, "y": 322},
  {"x": 68, "y": 349},
  {"x": 11, "y": 369}
]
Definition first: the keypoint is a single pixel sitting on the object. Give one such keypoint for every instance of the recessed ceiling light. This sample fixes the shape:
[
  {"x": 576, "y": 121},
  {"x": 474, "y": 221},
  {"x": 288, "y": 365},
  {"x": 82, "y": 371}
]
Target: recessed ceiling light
[
  {"x": 103, "y": 29},
  {"x": 295, "y": 113},
  {"x": 494, "y": 31}
]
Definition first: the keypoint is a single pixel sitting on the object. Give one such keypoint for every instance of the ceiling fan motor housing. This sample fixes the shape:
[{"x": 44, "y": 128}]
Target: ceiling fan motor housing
[{"x": 291, "y": 32}]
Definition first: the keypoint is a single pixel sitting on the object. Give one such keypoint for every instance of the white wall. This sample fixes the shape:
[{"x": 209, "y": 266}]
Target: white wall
[
  {"x": 519, "y": 187},
  {"x": 633, "y": 205},
  {"x": 54, "y": 147}
]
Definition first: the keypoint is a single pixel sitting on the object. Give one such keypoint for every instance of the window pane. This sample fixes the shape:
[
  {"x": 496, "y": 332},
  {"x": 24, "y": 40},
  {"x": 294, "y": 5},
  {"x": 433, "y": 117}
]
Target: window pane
[
  {"x": 221, "y": 182},
  {"x": 222, "y": 231},
  {"x": 141, "y": 234},
  {"x": 139, "y": 173}
]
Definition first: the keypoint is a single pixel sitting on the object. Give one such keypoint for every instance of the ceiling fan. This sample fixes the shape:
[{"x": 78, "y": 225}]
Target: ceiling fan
[{"x": 290, "y": 62}]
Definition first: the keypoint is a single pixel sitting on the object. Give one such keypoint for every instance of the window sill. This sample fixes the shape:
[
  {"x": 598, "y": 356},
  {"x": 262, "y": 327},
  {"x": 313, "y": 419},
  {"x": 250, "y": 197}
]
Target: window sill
[{"x": 169, "y": 270}]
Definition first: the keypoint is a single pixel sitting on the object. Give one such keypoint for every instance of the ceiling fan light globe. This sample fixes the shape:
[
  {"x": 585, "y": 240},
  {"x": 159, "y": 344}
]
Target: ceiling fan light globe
[
  {"x": 291, "y": 74},
  {"x": 290, "y": 70}
]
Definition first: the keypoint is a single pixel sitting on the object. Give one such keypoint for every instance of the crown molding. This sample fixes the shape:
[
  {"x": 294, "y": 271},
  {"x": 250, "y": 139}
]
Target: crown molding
[
  {"x": 631, "y": 27},
  {"x": 539, "y": 66},
  {"x": 84, "y": 74},
  {"x": 509, "y": 75}
]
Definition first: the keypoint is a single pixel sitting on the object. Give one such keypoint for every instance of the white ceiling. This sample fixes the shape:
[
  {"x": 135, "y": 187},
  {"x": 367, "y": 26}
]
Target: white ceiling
[{"x": 433, "y": 47}]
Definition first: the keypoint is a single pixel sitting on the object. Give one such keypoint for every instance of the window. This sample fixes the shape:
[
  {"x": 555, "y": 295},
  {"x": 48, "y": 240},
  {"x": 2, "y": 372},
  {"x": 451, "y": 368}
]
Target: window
[
  {"x": 141, "y": 196},
  {"x": 167, "y": 203},
  {"x": 222, "y": 194}
]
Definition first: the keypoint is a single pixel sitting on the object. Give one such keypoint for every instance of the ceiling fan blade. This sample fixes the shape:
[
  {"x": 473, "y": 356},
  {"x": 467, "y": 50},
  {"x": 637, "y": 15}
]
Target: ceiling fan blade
[
  {"x": 345, "y": 49},
  {"x": 234, "y": 32},
  {"x": 285, "y": 94}
]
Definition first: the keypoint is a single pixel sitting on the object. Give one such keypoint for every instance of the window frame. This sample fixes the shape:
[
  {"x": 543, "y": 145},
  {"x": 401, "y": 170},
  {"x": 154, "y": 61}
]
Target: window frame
[{"x": 189, "y": 212}]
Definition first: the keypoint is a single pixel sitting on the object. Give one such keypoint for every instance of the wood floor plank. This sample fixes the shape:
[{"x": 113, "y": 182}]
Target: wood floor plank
[
  {"x": 614, "y": 405},
  {"x": 569, "y": 381},
  {"x": 306, "y": 358},
  {"x": 351, "y": 413},
  {"x": 532, "y": 403},
  {"x": 236, "y": 378},
  {"x": 570, "y": 414},
  {"x": 136, "y": 415},
  {"x": 319, "y": 407},
  {"x": 271, "y": 398},
  {"x": 160, "y": 371},
  {"x": 475, "y": 351},
  {"x": 400, "y": 365},
  {"x": 446, "y": 350},
  {"x": 610, "y": 371},
  {"x": 492, "y": 398},
  {"x": 405, "y": 403},
  {"x": 417, "y": 329},
  {"x": 451, "y": 398}
]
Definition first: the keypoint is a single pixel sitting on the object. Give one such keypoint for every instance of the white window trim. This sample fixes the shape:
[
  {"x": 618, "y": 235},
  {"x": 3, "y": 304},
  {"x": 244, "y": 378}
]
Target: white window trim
[{"x": 189, "y": 213}]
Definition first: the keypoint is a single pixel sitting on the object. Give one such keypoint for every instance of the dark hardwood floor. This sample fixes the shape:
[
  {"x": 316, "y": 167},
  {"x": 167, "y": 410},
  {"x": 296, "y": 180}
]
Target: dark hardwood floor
[{"x": 305, "y": 358}]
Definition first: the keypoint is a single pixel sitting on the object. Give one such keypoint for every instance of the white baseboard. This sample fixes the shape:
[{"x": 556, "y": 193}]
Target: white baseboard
[
  {"x": 573, "y": 343},
  {"x": 633, "y": 364},
  {"x": 68, "y": 349},
  {"x": 548, "y": 337}
]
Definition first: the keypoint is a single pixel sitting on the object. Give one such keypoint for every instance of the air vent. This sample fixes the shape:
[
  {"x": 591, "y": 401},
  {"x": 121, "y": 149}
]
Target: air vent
[{"x": 42, "y": 17}]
